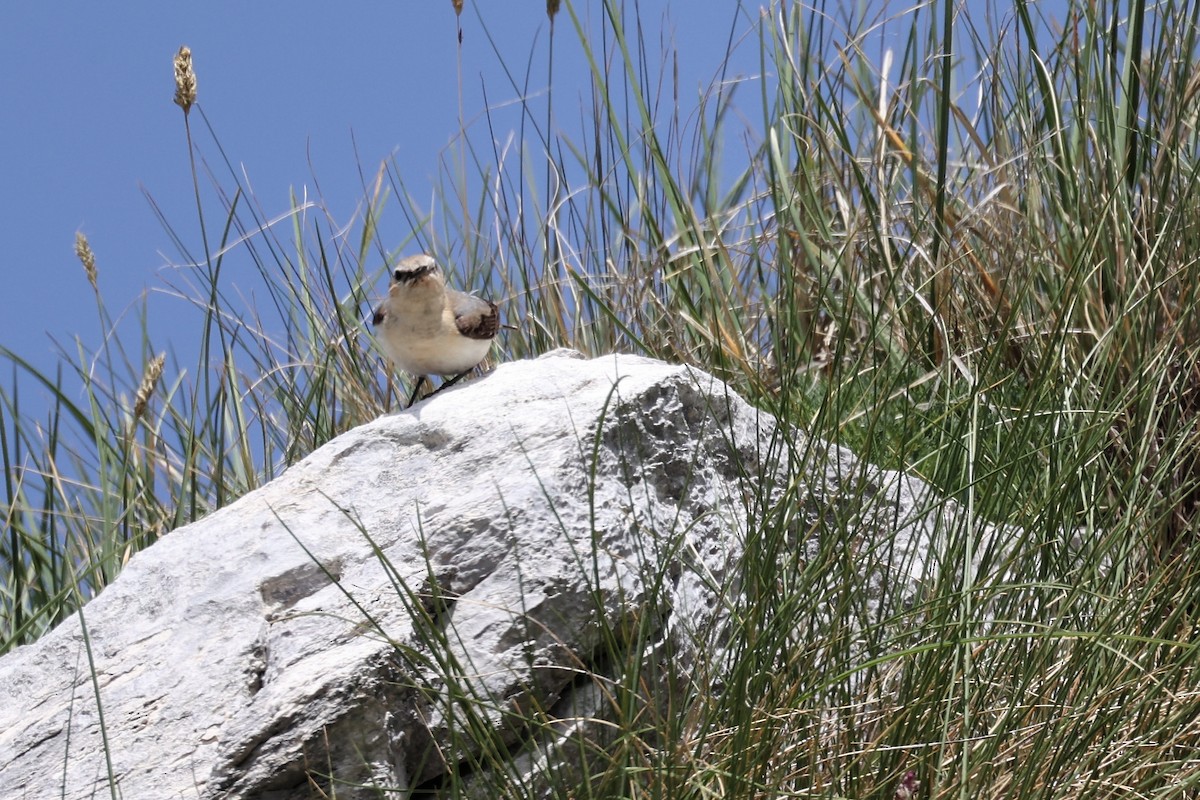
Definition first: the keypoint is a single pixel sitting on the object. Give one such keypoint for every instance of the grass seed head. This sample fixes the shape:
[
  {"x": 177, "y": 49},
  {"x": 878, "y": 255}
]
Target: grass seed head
[
  {"x": 83, "y": 251},
  {"x": 185, "y": 80},
  {"x": 149, "y": 382}
]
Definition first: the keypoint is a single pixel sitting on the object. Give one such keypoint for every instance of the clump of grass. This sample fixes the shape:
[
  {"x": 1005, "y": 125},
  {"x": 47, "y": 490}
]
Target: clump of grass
[{"x": 972, "y": 258}]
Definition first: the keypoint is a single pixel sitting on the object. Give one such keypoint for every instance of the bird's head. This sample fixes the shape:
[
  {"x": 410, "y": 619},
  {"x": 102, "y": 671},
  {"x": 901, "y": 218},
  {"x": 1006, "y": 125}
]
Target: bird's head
[{"x": 411, "y": 269}]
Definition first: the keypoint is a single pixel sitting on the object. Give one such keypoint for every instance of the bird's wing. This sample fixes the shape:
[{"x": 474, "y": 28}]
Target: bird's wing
[{"x": 474, "y": 317}]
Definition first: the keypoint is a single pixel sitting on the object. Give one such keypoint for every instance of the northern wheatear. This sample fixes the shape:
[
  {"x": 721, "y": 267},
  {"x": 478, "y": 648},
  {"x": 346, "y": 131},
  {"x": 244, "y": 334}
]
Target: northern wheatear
[{"x": 428, "y": 329}]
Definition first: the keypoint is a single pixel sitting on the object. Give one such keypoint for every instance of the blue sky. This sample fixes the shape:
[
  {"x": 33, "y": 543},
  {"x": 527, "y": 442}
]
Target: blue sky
[{"x": 290, "y": 88}]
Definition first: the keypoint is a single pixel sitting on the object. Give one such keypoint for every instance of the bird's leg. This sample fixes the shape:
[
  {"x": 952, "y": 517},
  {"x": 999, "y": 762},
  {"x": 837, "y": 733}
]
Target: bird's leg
[
  {"x": 445, "y": 385},
  {"x": 451, "y": 382},
  {"x": 416, "y": 391}
]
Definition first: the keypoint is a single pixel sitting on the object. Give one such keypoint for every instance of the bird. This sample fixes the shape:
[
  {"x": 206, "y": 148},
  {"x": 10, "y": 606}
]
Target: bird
[{"x": 426, "y": 328}]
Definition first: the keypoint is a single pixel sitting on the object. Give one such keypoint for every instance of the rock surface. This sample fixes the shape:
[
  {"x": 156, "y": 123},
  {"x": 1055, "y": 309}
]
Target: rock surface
[{"x": 493, "y": 539}]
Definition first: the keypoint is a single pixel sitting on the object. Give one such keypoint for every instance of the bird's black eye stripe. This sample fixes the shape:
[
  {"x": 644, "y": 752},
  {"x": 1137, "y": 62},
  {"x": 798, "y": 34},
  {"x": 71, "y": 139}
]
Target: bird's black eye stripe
[{"x": 408, "y": 275}]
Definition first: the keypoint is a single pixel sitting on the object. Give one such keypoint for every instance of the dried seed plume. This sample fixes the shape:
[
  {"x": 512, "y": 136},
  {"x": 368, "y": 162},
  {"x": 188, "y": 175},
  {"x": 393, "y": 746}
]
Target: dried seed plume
[
  {"x": 185, "y": 80},
  {"x": 149, "y": 383},
  {"x": 83, "y": 250}
]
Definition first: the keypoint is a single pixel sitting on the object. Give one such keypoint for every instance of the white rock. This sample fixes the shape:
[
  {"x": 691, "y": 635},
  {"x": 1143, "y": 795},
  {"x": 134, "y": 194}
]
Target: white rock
[{"x": 495, "y": 532}]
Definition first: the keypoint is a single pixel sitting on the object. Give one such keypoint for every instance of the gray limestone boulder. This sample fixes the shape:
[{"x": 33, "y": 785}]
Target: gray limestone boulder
[{"x": 415, "y": 595}]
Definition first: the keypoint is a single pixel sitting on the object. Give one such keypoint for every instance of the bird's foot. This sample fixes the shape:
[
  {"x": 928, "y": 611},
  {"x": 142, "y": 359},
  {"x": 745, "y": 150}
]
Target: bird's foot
[{"x": 445, "y": 385}]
